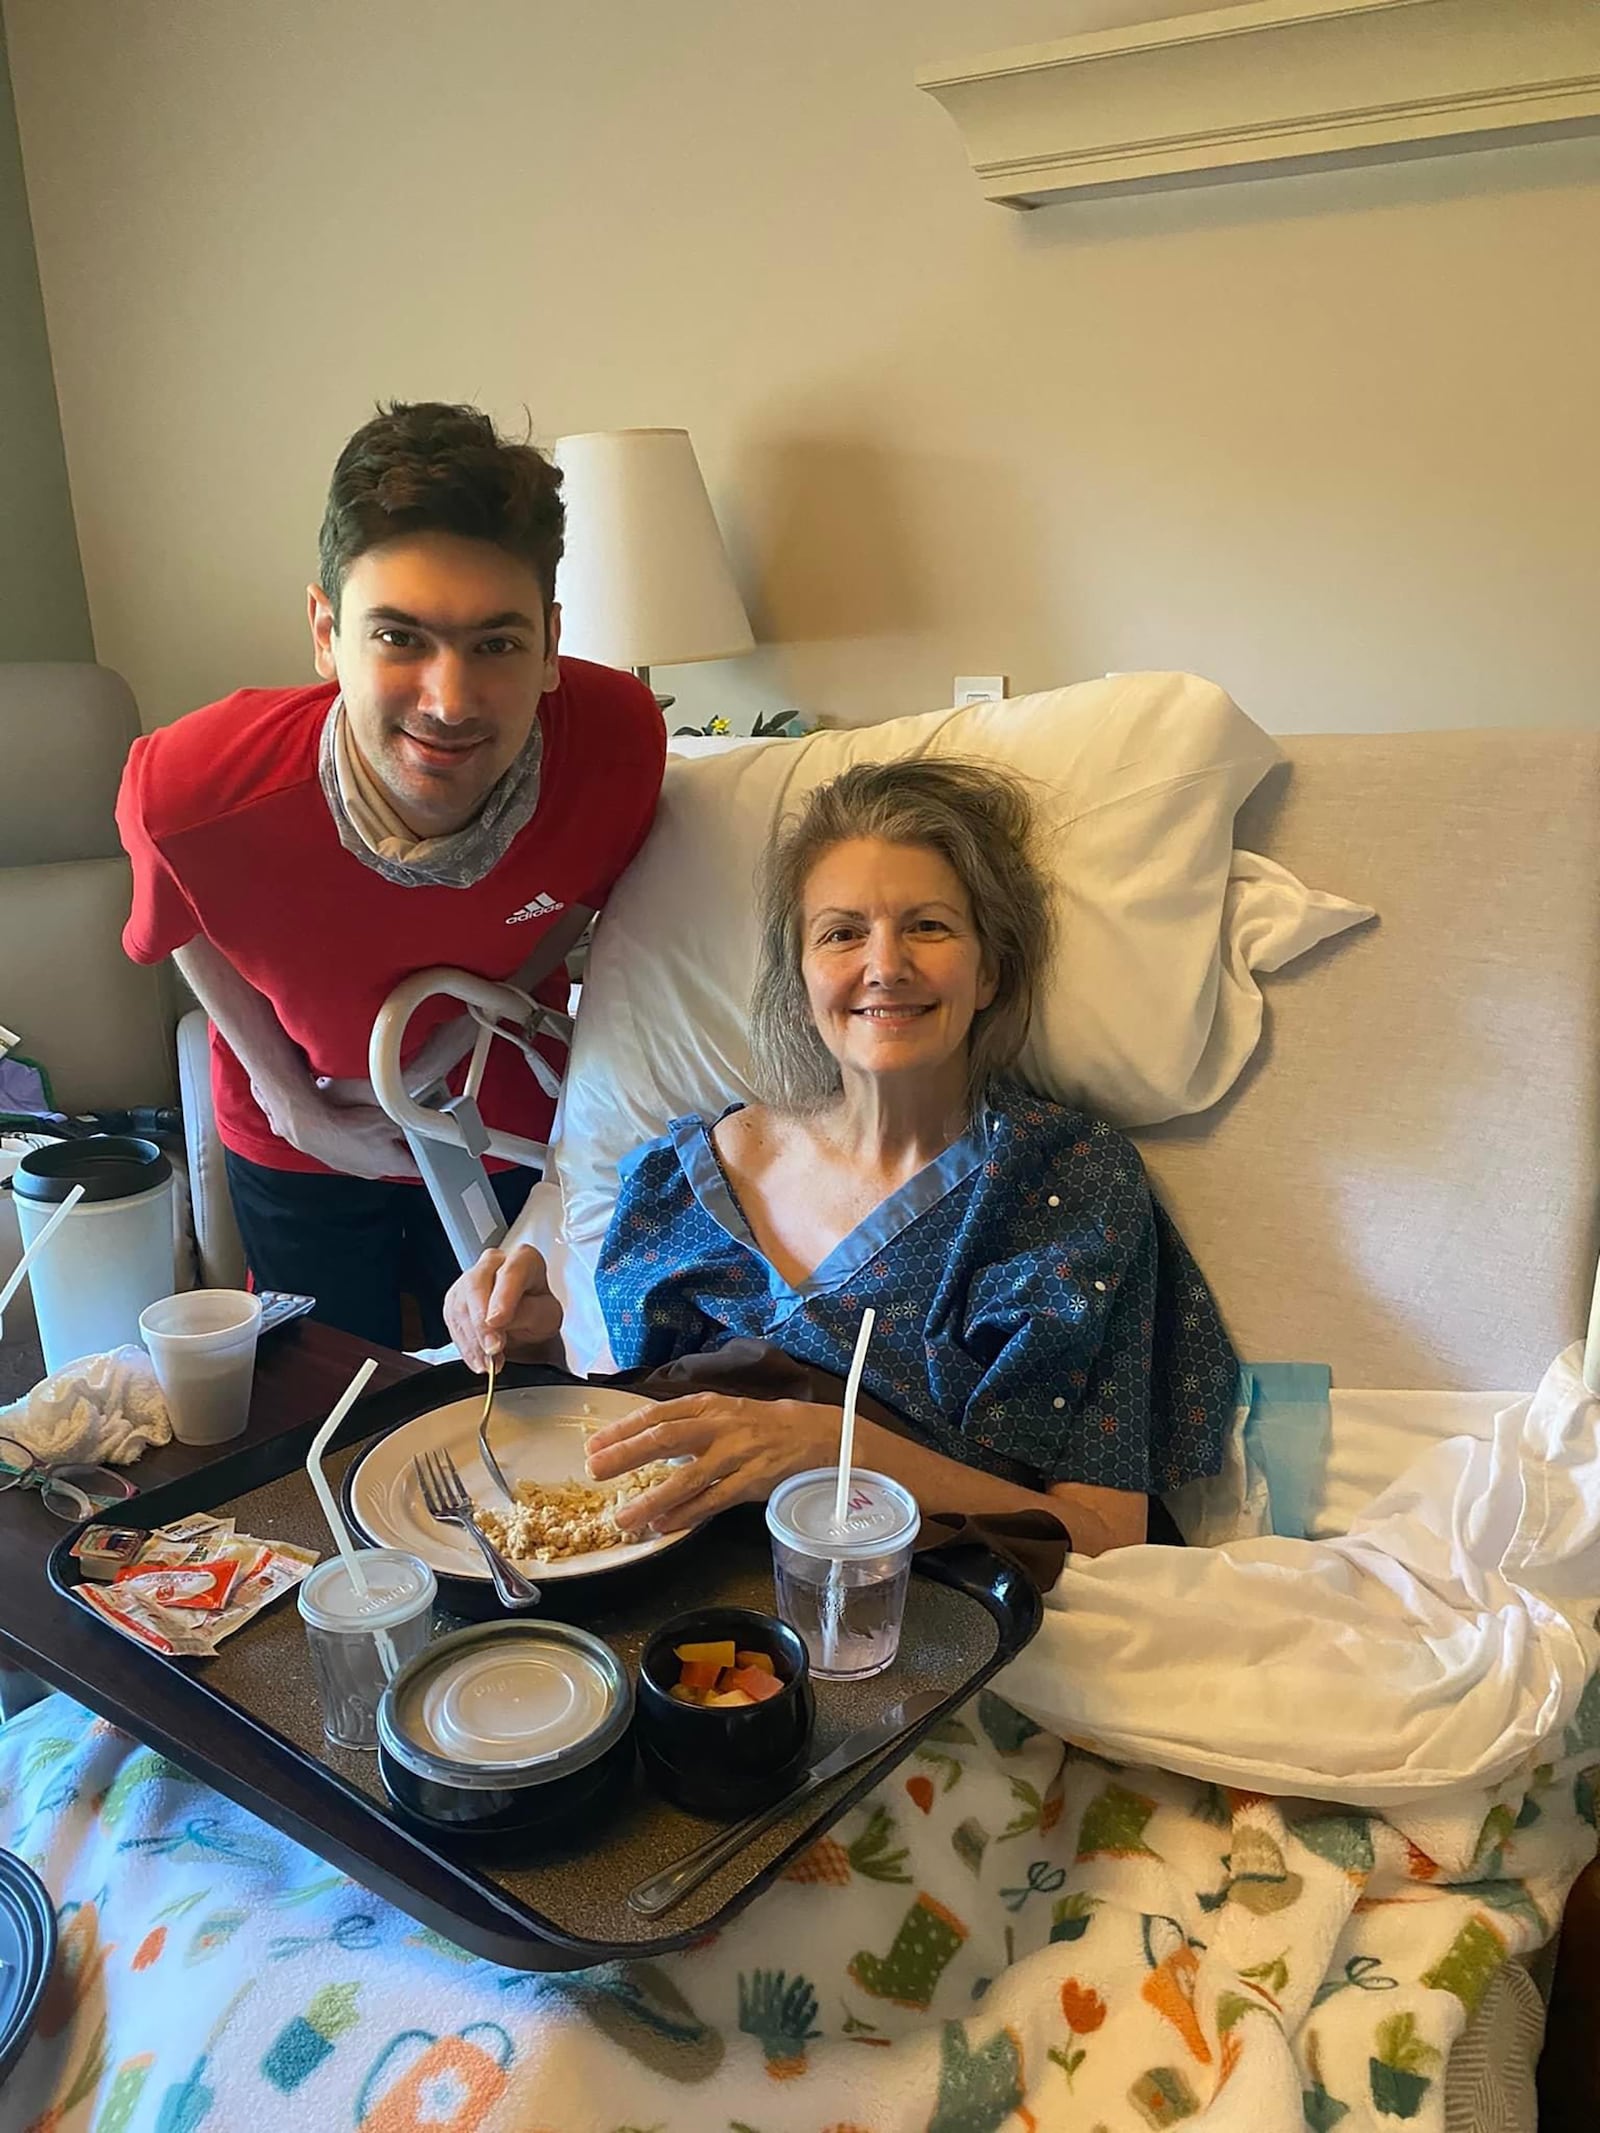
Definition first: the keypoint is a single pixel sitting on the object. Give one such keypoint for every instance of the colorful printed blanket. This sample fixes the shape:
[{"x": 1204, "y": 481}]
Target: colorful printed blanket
[
  {"x": 1010, "y": 1934},
  {"x": 1391, "y": 1743}
]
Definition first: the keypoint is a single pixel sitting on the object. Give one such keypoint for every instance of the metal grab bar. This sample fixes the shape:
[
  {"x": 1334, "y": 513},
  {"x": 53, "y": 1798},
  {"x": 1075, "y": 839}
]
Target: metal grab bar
[{"x": 449, "y": 1139}]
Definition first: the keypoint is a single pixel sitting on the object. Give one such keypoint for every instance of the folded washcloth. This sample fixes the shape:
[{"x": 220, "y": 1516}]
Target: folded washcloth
[{"x": 102, "y": 1408}]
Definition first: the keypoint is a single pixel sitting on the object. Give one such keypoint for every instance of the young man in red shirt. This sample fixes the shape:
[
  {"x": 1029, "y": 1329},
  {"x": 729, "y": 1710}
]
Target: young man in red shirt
[{"x": 452, "y": 792}]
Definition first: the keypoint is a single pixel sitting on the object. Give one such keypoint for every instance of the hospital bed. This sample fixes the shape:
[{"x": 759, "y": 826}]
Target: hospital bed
[{"x": 1402, "y": 1183}]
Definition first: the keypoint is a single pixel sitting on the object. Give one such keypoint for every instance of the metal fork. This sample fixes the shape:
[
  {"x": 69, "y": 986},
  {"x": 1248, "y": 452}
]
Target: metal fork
[
  {"x": 445, "y": 1494},
  {"x": 491, "y": 1463}
]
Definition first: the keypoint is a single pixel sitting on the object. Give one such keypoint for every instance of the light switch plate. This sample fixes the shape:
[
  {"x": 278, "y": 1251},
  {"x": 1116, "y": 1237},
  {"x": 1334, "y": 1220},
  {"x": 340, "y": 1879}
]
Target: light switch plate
[{"x": 980, "y": 688}]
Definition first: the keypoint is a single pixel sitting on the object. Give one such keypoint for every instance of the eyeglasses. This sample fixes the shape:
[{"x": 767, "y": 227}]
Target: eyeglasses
[{"x": 68, "y": 1490}]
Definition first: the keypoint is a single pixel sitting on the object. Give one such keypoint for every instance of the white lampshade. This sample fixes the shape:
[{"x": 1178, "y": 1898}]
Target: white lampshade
[{"x": 645, "y": 579}]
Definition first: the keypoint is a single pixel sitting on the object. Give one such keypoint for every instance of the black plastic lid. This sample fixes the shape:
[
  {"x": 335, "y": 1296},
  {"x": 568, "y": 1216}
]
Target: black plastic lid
[
  {"x": 27, "y": 1949},
  {"x": 109, "y": 1166}
]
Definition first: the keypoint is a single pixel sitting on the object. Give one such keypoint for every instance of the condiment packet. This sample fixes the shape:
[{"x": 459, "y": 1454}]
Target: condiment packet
[
  {"x": 200, "y": 1587},
  {"x": 184, "y": 1610},
  {"x": 102, "y": 1551},
  {"x": 124, "y": 1610},
  {"x": 284, "y": 1567},
  {"x": 197, "y": 1525},
  {"x": 187, "y": 1540}
]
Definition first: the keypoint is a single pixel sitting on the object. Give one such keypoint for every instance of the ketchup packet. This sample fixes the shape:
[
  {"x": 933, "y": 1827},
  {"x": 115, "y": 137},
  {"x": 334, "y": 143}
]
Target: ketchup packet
[
  {"x": 202, "y": 1587},
  {"x": 284, "y": 1566},
  {"x": 125, "y": 1610}
]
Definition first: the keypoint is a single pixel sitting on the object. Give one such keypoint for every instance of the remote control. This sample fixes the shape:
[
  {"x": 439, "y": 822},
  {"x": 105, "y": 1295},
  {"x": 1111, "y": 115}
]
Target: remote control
[{"x": 278, "y": 1307}]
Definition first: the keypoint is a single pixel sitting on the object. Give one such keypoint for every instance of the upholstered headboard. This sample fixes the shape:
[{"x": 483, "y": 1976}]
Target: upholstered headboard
[{"x": 1405, "y": 1182}]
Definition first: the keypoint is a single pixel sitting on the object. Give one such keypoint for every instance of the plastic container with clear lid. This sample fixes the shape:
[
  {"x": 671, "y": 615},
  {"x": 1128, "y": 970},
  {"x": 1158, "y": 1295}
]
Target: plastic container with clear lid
[{"x": 506, "y": 1726}]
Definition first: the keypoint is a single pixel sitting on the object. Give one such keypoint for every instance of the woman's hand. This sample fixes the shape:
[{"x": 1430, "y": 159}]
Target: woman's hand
[
  {"x": 502, "y": 1306},
  {"x": 738, "y": 1452}
]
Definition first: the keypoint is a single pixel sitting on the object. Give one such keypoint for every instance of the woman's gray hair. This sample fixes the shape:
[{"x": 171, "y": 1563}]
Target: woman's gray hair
[{"x": 980, "y": 823}]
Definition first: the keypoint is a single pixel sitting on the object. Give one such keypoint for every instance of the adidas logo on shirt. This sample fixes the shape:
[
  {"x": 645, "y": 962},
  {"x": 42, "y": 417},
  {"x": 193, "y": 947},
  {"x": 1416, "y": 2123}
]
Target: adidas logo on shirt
[{"x": 542, "y": 906}]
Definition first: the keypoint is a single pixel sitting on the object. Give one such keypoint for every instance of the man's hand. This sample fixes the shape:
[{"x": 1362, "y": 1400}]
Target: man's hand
[
  {"x": 355, "y": 1138},
  {"x": 503, "y": 1306},
  {"x": 358, "y": 1139},
  {"x": 444, "y": 1050},
  {"x": 737, "y": 1452}
]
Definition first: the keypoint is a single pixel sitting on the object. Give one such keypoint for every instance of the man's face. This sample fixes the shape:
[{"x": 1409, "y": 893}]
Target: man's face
[{"x": 441, "y": 652}]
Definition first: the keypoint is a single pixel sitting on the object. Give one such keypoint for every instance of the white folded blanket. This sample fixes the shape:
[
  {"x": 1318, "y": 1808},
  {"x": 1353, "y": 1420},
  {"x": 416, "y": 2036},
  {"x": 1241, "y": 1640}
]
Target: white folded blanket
[
  {"x": 1429, "y": 1649},
  {"x": 102, "y": 1409}
]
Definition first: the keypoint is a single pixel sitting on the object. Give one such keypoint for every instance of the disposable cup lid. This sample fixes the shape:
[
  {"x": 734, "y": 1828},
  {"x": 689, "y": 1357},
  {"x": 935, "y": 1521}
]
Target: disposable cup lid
[
  {"x": 514, "y": 1700},
  {"x": 398, "y": 1586},
  {"x": 880, "y": 1516}
]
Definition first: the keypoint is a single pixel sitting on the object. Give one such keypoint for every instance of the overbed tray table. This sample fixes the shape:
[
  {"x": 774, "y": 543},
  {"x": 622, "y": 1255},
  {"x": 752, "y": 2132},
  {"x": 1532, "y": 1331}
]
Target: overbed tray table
[{"x": 248, "y": 1719}]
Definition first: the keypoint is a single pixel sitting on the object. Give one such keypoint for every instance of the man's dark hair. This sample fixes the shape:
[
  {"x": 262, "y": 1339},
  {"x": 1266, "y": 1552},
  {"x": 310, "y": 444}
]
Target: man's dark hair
[{"x": 428, "y": 467}]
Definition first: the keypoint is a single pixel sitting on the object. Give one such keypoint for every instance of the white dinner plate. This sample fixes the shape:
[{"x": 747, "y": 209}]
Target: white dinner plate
[{"x": 538, "y": 1434}]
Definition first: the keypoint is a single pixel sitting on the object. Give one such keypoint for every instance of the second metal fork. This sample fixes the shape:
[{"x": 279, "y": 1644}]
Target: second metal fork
[{"x": 445, "y": 1494}]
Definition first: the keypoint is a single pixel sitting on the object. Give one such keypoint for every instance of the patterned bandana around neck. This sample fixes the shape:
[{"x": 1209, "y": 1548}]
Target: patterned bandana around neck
[{"x": 370, "y": 829}]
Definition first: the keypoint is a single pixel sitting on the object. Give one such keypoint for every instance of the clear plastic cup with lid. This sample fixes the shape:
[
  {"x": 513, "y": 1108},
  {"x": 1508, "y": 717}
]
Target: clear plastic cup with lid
[
  {"x": 843, "y": 1588},
  {"x": 360, "y": 1640}
]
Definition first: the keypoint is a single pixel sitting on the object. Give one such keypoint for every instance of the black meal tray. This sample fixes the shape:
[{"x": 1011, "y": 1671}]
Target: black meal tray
[{"x": 968, "y": 1612}]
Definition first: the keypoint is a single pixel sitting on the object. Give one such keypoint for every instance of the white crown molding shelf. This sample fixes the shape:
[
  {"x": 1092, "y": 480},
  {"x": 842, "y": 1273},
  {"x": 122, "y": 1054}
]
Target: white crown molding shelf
[{"x": 1270, "y": 87}]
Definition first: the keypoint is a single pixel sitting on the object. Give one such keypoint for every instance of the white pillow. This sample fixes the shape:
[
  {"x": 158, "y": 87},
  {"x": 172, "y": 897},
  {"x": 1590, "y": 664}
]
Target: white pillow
[{"x": 1151, "y": 1009}]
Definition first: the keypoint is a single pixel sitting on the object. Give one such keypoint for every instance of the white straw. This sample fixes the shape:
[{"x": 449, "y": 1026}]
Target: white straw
[
  {"x": 833, "y": 1590},
  {"x": 388, "y": 1657},
  {"x": 319, "y": 1481},
  {"x": 847, "y": 1432},
  {"x": 37, "y": 1246}
]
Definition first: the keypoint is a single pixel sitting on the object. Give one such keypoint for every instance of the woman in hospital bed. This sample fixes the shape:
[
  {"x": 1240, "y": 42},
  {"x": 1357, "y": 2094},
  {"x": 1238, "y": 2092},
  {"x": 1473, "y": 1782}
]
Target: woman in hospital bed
[{"x": 1041, "y": 1328}]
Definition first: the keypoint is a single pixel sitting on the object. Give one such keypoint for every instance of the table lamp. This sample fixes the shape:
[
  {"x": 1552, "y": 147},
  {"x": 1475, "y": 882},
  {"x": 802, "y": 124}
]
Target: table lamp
[{"x": 645, "y": 580}]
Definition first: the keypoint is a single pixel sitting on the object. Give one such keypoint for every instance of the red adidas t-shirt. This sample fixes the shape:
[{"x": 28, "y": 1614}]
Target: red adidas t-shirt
[{"x": 224, "y": 818}]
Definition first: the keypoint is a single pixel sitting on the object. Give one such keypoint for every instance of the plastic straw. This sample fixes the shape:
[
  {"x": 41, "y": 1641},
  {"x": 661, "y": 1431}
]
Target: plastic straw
[
  {"x": 387, "y": 1654},
  {"x": 833, "y": 1590},
  {"x": 37, "y": 1246},
  {"x": 319, "y": 1481},
  {"x": 847, "y": 1433}
]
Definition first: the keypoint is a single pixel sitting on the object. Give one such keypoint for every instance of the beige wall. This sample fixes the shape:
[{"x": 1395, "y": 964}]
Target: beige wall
[
  {"x": 1330, "y": 440},
  {"x": 43, "y": 613}
]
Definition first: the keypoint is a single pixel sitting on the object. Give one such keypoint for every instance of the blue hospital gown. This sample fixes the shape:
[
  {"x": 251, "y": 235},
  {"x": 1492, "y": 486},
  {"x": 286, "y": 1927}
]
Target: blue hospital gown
[{"x": 1038, "y": 1315}]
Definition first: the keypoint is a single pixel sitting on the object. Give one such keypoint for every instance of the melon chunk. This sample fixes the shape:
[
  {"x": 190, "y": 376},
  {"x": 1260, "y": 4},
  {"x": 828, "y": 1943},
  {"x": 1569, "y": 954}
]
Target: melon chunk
[
  {"x": 756, "y": 1685},
  {"x": 719, "y": 1654}
]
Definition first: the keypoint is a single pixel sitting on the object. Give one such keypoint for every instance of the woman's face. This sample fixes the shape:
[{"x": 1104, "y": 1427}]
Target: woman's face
[{"x": 891, "y": 958}]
